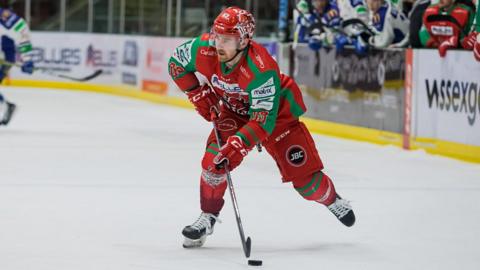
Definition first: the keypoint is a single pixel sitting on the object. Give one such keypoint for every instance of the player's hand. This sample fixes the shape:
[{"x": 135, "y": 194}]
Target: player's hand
[
  {"x": 231, "y": 153},
  {"x": 315, "y": 40},
  {"x": 476, "y": 48},
  {"x": 469, "y": 41},
  {"x": 450, "y": 43},
  {"x": 332, "y": 19},
  {"x": 204, "y": 99},
  {"x": 28, "y": 67}
]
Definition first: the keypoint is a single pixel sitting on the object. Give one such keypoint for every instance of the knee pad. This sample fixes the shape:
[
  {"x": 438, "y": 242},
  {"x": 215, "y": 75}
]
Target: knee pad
[{"x": 317, "y": 187}]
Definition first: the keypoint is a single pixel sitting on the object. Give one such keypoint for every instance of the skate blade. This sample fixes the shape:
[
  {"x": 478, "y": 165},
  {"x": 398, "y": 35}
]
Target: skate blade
[{"x": 194, "y": 243}]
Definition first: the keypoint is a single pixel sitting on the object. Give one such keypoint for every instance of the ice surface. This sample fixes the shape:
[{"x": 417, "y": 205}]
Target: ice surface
[{"x": 91, "y": 181}]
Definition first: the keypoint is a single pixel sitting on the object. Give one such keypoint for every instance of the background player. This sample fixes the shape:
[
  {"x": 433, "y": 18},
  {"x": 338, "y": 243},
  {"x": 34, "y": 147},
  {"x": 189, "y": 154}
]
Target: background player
[{"x": 14, "y": 38}]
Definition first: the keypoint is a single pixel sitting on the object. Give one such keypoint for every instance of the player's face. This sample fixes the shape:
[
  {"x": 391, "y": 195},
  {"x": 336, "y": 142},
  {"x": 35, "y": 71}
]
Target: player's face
[
  {"x": 374, "y": 5},
  {"x": 226, "y": 46},
  {"x": 319, "y": 5},
  {"x": 445, "y": 3}
]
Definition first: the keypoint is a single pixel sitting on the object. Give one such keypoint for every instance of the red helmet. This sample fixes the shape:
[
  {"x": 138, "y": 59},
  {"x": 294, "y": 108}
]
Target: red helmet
[{"x": 234, "y": 21}]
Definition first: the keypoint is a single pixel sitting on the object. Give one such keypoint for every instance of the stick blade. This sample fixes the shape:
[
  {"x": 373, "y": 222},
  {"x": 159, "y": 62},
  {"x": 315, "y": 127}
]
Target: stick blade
[
  {"x": 83, "y": 79},
  {"x": 248, "y": 246}
]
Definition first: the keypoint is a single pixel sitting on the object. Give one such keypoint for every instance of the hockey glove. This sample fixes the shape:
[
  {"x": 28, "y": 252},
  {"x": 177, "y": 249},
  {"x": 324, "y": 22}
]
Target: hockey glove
[
  {"x": 28, "y": 67},
  {"x": 315, "y": 40},
  {"x": 450, "y": 43},
  {"x": 231, "y": 152},
  {"x": 204, "y": 99},
  {"x": 361, "y": 47},
  {"x": 340, "y": 41},
  {"x": 476, "y": 48},
  {"x": 469, "y": 41}
]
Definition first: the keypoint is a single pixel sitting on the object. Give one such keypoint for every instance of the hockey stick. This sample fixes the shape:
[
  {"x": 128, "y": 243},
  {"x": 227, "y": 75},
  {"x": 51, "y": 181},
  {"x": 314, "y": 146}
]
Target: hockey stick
[
  {"x": 246, "y": 244},
  {"x": 50, "y": 72}
]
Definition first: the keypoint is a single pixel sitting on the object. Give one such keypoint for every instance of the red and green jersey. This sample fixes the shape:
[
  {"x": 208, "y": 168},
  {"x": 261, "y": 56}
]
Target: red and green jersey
[
  {"x": 253, "y": 88},
  {"x": 434, "y": 33}
]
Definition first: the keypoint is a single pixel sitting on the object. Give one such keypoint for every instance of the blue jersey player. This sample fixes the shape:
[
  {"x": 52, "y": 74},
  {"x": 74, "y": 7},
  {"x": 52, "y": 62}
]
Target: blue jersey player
[{"x": 14, "y": 43}]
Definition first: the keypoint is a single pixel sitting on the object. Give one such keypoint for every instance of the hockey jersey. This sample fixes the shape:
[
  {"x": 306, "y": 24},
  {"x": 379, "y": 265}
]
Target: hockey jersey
[
  {"x": 14, "y": 27},
  {"x": 254, "y": 88},
  {"x": 391, "y": 27}
]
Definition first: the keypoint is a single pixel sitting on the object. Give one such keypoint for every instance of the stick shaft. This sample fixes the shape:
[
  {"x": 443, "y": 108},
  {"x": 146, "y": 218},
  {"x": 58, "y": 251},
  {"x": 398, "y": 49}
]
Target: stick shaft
[{"x": 246, "y": 244}]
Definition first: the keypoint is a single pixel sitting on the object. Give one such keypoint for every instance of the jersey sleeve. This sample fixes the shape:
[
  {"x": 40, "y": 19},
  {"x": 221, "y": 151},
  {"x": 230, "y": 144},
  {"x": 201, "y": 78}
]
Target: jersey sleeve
[
  {"x": 182, "y": 66},
  {"x": 384, "y": 30},
  {"x": 264, "y": 99}
]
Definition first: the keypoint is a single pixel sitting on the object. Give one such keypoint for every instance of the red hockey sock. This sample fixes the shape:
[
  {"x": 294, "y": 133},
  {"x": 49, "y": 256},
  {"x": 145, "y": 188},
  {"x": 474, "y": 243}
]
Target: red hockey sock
[
  {"x": 213, "y": 184},
  {"x": 317, "y": 187}
]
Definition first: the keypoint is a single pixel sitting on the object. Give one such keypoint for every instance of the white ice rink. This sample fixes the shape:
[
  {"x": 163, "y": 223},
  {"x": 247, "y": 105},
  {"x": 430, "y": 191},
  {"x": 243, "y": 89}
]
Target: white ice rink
[{"x": 98, "y": 182}]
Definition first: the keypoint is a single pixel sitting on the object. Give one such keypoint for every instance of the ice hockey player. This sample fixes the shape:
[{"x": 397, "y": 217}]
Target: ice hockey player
[
  {"x": 390, "y": 25},
  {"x": 446, "y": 25},
  {"x": 315, "y": 23},
  {"x": 256, "y": 104},
  {"x": 320, "y": 23},
  {"x": 15, "y": 38}
]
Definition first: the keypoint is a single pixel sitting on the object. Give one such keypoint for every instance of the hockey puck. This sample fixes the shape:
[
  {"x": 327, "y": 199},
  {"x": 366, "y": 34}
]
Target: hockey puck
[{"x": 255, "y": 262}]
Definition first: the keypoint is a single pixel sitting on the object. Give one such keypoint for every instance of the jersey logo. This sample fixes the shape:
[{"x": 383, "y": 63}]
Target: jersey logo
[
  {"x": 175, "y": 70},
  {"x": 296, "y": 155},
  {"x": 264, "y": 95},
  {"x": 442, "y": 30},
  {"x": 227, "y": 87},
  {"x": 183, "y": 53},
  {"x": 262, "y": 103},
  {"x": 260, "y": 117},
  {"x": 265, "y": 90}
]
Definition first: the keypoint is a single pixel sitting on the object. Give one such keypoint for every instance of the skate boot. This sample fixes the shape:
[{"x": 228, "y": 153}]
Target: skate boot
[
  {"x": 196, "y": 234},
  {"x": 343, "y": 211},
  {"x": 8, "y": 113}
]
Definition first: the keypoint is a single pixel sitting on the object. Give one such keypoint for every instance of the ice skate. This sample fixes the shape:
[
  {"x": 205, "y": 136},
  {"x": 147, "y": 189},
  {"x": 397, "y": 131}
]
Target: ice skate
[
  {"x": 343, "y": 211},
  {"x": 196, "y": 234},
  {"x": 9, "y": 111}
]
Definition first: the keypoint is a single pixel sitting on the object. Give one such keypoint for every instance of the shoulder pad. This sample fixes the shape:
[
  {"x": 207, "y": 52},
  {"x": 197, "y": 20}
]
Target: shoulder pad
[{"x": 260, "y": 57}]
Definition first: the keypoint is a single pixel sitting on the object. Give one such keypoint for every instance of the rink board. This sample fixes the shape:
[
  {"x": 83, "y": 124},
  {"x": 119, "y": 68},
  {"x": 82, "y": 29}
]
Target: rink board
[{"x": 360, "y": 98}]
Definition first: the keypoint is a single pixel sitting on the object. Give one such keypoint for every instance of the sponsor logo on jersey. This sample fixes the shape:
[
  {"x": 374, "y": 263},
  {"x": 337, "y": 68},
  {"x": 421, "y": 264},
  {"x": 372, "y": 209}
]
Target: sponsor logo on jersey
[
  {"x": 442, "y": 30},
  {"x": 265, "y": 90},
  {"x": 227, "y": 124},
  {"x": 262, "y": 103},
  {"x": 183, "y": 53},
  {"x": 175, "y": 70},
  {"x": 208, "y": 52},
  {"x": 296, "y": 155},
  {"x": 245, "y": 72},
  {"x": 227, "y": 87},
  {"x": 260, "y": 61},
  {"x": 264, "y": 95},
  {"x": 260, "y": 117}
]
